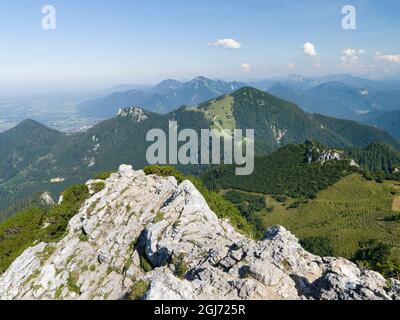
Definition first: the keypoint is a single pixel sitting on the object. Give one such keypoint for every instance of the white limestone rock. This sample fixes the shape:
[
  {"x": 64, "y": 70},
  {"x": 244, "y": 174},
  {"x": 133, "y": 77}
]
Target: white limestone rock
[{"x": 138, "y": 222}]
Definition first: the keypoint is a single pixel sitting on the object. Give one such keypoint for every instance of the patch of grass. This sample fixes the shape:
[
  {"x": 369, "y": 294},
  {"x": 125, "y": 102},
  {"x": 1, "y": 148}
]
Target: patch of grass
[
  {"x": 46, "y": 253},
  {"x": 110, "y": 270},
  {"x": 70, "y": 258},
  {"x": 60, "y": 215},
  {"x": 58, "y": 292},
  {"x": 98, "y": 186},
  {"x": 145, "y": 264},
  {"x": 72, "y": 283},
  {"x": 347, "y": 213},
  {"x": 159, "y": 217},
  {"x": 33, "y": 276},
  {"x": 181, "y": 267},
  {"x": 220, "y": 113},
  {"x": 139, "y": 290},
  {"x": 104, "y": 175},
  {"x": 83, "y": 236}
]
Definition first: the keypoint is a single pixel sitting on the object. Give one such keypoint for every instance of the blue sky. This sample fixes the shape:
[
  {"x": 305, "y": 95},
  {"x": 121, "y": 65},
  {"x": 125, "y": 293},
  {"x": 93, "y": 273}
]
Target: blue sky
[{"x": 100, "y": 43}]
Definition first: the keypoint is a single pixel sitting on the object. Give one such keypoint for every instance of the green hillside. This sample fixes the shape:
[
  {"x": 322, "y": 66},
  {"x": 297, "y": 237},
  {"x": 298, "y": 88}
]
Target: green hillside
[
  {"x": 334, "y": 209},
  {"x": 349, "y": 214},
  {"x": 376, "y": 158},
  {"x": 36, "y": 155},
  {"x": 277, "y": 122},
  {"x": 24, "y": 144},
  {"x": 285, "y": 173}
]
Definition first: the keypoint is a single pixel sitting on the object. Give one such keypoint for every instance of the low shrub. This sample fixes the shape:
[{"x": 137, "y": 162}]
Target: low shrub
[
  {"x": 139, "y": 290},
  {"x": 319, "y": 246}
]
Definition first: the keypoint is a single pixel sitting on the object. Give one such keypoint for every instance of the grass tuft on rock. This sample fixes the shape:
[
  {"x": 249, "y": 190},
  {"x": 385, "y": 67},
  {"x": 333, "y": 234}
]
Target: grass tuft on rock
[{"x": 139, "y": 290}]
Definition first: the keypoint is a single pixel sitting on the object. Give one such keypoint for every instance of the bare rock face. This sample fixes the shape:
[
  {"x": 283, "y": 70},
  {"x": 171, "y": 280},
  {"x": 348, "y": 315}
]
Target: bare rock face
[
  {"x": 46, "y": 199},
  {"x": 150, "y": 231},
  {"x": 316, "y": 155},
  {"x": 134, "y": 113}
]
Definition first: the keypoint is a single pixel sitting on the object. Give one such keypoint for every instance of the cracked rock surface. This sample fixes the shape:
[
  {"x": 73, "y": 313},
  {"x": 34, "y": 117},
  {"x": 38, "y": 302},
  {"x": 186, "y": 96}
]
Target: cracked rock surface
[{"x": 154, "y": 231}]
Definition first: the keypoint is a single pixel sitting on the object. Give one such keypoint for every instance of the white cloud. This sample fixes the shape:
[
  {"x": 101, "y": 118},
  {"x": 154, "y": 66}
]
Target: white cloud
[
  {"x": 291, "y": 65},
  {"x": 227, "y": 44},
  {"x": 387, "y": 57},
  {"x": 309, "y": 49},
  {"x": 351, "y": 56},
  {"x": 353, "y": 52},
  {"x": 246, "y": 67}
]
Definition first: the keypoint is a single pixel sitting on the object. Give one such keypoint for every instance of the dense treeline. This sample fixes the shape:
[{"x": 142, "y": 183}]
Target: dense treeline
[
  {"x": 285, "y": 173},
  {"x": 377, "y": 158},
  {"x": 375, "y": 255},
  {"x": 320, "y": 246},
  {"x": 246, "y": 203},
  {"x": 38, "y": 225}
]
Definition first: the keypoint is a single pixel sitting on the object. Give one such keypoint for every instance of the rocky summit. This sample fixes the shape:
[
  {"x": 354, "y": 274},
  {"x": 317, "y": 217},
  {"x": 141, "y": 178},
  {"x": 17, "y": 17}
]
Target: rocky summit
[{"x": 145, "y": 236}]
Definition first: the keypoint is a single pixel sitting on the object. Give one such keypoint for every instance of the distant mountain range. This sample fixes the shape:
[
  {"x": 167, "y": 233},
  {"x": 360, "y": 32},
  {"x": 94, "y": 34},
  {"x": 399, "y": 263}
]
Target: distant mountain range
[
  {"x": 339, "y": 99},
  {"x": 35, "y": 158},
  {"x": 343, "y": 96},
  {"x": 162, "y": 98},
  {"x": 389, "y": 121},
  {"x": 300, "y": 82}
]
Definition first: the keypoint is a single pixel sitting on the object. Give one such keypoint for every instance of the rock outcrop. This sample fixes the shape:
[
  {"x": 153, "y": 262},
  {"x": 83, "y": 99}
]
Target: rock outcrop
[
  {"x": 318, "y": 154},
  {"x": 134, "y": 113},
  {"x": 46, "y": 199},
  {"x": 152, "y": 231}
]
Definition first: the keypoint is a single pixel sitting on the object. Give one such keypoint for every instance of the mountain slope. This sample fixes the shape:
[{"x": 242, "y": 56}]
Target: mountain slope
[
  {"x": 118, "y": 140},
  {"x": 25, "y": 144},
  {"x": 376, "y": 158},
  {"x": 123, "y": 139},
  {"x": 108, "y": 107},
  {"x": 356, "y": 134},
  {"x": 166, "y": 86},
  {"x": 388, "y": 121},
  {"x": 349, "y": 214},
  {"x": 339, "y": 99},
  {"x": 163, "y": 98},
  {"x": 286, "y": 172},
  {"x": 164, "y": 236},
  {"x": 277, "y": 122},
  {"x": 320, "y": 195}
]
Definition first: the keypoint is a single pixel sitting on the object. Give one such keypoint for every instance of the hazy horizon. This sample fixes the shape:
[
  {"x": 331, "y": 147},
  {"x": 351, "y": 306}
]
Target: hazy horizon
[{"x": 100, "y": 45}]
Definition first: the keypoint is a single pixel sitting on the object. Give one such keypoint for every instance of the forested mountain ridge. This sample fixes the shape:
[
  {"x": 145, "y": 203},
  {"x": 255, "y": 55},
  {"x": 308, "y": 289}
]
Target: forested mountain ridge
[
  {"x": 388, "y": 121},
  {"x": 277, "y": 122},
  {"x": 376, "y": 158},
  {"x": 162, "y": 98},
  {"x": 25, "y": 144},
  {"x": 68, "y": 159}
]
